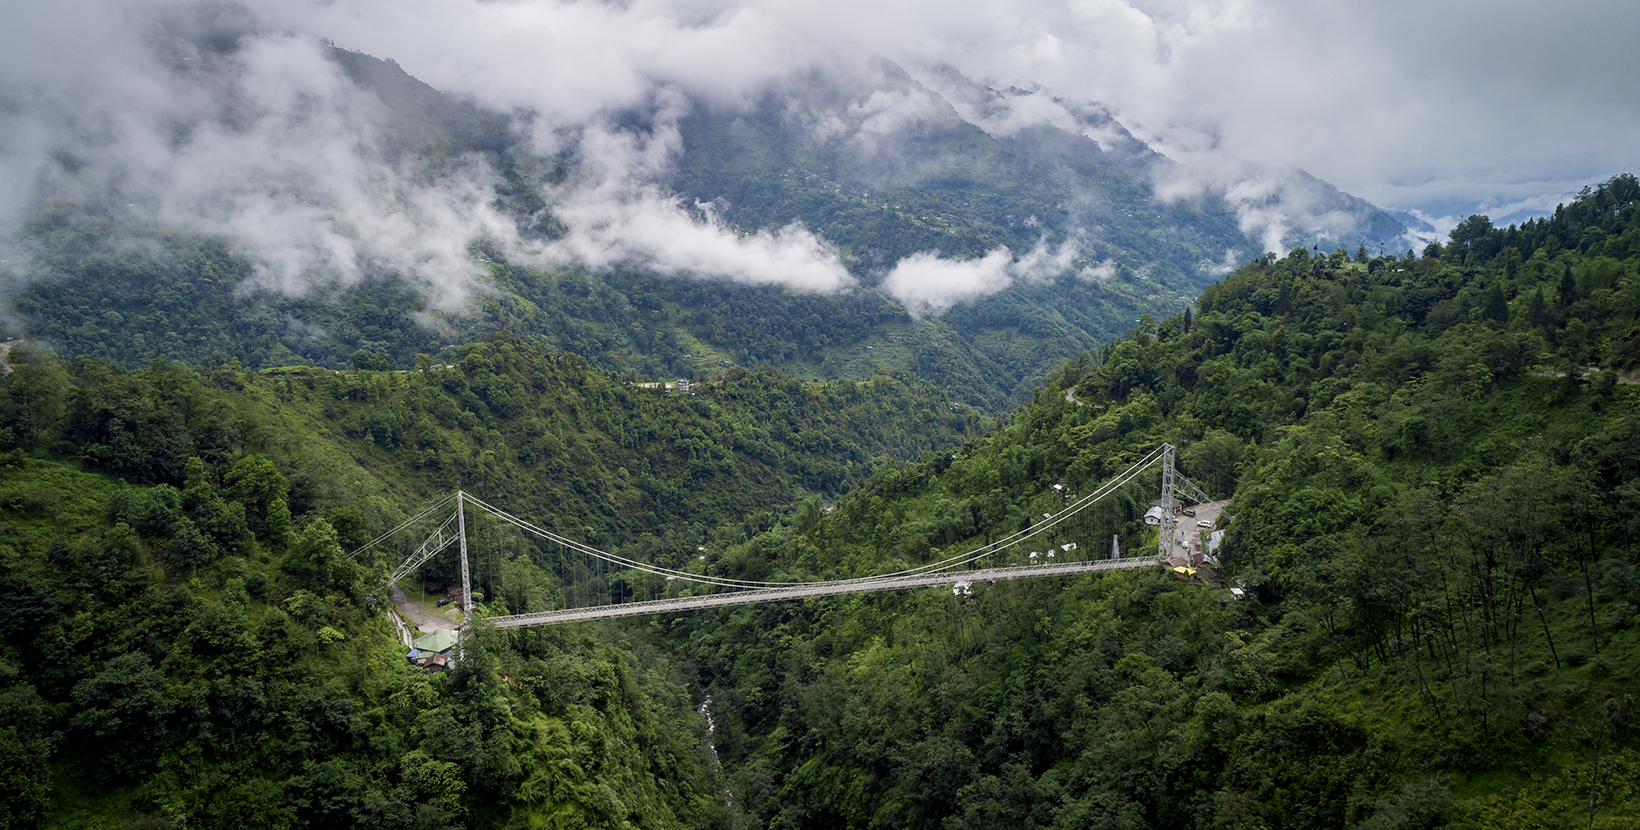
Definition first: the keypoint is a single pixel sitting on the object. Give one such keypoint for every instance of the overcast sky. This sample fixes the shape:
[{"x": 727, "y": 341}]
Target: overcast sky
[
  {"x": 1442, "y": 107},
  {"x": 1503, "y": 107}
]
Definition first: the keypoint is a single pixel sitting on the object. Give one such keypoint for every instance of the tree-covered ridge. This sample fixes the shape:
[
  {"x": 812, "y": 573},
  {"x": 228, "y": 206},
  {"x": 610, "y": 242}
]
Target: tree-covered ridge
[
  {"x": 190, "y": 644},
  {"x": 115, "y": 298},
  {"x": 545, "y": 428},
  {"x": 101, "y": 290},
  {"x": 150, "y": 681},
  {"x": 1434, "y": 514},
  {"x": 1434, "y": 501}
]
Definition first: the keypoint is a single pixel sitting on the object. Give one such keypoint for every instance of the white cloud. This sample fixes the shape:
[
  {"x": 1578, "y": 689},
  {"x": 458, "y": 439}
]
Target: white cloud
[
  {"x": 273, "y": 147},
  {"x": 1508, "y": 105},
  {"x": 295, "y": 178},
  {"x": 1103, "y": 271},
  {"x": 1278, "y": 206},
  {"x": 643, "y": 227},
  {"x": 929, "y": 285},
  {"x": 270, "y": 146},
  {"x": 1040, "y": 263},
  {"x": 616, "y": 215},
  {"x": 1231, "y": 261}
]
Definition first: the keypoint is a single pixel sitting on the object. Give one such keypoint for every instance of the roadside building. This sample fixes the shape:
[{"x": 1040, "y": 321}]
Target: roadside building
[{"x": 434, "y": 651}]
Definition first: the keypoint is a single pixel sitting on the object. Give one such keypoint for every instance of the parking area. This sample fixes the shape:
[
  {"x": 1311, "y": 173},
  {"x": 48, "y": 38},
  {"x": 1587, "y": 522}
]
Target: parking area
[{"x": 1194, "y": 524}]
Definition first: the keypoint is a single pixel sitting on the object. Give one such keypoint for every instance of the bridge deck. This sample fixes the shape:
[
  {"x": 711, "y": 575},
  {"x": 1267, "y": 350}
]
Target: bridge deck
[{"x": 659, "y": 606}]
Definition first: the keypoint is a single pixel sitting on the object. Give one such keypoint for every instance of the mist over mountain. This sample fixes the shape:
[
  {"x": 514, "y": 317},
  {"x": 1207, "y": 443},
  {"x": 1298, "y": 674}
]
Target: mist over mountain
[
  {"x": 1276, "y": 207},
  {"x": 319, "y": 162},
  {"x": 1229, "y": 93},
  {"x": 1432, "y": 471},
  {"x": 785, "y": 294},
  {"x": 317, "y": 169}
]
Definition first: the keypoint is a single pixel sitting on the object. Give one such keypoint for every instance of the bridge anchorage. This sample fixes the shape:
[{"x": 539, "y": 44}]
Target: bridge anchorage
[{"x": 598, "y": 584}]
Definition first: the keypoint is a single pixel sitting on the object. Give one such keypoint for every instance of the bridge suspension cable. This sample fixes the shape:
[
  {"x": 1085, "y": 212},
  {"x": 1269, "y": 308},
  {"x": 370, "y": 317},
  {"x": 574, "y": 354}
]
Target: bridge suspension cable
[
  {"x": 947, "y": 564},
  {"x": 452, "y": 529},
  {"x": 437, "y": 505}
]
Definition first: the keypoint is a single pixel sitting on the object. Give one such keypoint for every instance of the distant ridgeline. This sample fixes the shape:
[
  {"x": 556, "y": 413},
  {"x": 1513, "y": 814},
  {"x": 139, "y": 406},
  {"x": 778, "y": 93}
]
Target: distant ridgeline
[{"x": 110, "y": 284}]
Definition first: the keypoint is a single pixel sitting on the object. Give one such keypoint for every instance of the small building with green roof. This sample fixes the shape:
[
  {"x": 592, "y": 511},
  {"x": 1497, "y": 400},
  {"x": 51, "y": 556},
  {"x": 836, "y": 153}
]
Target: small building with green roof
[{"x": 440, "y": 641}]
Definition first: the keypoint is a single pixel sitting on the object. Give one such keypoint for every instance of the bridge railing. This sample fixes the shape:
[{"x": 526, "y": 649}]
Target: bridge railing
[
  {"x": 800, "y": 591},
  {"x": 657, "y": 580}
]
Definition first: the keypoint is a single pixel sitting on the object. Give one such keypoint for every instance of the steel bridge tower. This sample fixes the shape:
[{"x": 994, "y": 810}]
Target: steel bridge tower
[{"x": 1164, "y": 537}]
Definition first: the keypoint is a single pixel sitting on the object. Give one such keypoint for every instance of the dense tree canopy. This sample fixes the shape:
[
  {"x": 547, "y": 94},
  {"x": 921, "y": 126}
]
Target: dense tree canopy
[
  {"x": 1433, "y": 464},
  {"x": 1434, "y": 501},
  {"x": 177, "y": 542}
]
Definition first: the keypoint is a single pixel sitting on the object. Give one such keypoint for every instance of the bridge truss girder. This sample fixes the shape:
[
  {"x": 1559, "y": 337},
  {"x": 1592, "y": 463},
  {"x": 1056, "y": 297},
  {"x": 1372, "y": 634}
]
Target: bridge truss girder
[{"x": 440, "y": 539}]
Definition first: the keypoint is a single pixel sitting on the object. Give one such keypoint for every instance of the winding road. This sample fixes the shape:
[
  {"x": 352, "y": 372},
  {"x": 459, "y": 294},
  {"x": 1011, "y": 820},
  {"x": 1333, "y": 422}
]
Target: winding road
[{"x": 5, "y": 368}]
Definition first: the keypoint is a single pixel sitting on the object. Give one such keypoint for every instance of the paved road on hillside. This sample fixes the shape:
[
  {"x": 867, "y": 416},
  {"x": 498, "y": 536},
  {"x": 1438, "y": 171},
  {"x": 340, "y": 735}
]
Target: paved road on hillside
[{"x": 424, "y": 622}]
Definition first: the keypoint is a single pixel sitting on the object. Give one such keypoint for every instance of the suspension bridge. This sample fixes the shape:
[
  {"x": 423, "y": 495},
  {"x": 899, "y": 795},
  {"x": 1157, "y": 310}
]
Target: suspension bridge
[{"x": 680, "y": 589}]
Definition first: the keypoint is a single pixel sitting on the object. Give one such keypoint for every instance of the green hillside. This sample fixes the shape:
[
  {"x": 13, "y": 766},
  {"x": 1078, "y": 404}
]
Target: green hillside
[
  {"x": 189, "y": 644},
  {"x": 1434, "y": 472},
  {"x": 1434, "y": 467},
  {"x": 196, "y": 303}
]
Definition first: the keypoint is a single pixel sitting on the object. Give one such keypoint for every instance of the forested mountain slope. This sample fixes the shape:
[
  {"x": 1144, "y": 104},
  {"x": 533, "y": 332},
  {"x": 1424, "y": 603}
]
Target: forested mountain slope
[
  {"x": 189, "y": 645},
  {"x": 1433, "y": 463},
  {"x": 1436, "y": 473}
]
